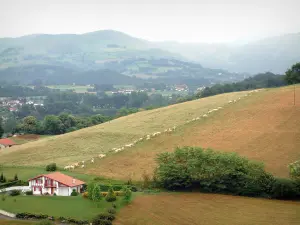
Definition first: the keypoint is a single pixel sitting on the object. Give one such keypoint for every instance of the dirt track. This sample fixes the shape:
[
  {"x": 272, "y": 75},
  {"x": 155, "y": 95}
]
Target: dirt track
[{"x": 263, "y": 127}]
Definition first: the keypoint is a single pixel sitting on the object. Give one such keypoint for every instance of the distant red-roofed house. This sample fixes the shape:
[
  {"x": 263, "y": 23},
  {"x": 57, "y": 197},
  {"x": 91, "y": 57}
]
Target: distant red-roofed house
[
  {"x": 6, "y": 143},
  {"x": 55, "y": 183}
]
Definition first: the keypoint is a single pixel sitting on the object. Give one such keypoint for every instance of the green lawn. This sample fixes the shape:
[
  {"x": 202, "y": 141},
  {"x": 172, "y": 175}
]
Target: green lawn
[{"x": 74, "y": 207}]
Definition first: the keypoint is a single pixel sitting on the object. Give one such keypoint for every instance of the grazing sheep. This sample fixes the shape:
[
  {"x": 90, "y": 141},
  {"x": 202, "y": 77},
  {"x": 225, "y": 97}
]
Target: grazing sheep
[
  {"x": 230, "y": 101},
  {"x": 101, "y": 156},
  {"x": 166, "y": 130},
  {"x": 72, "y": 167},
  {"x": 82, "y": 166},
  {"x": 66, "y": 167},
  {"x": 92, "y": 160},
  {"x": 205, "y": 115},
  {"x": 141, "y": 139}
]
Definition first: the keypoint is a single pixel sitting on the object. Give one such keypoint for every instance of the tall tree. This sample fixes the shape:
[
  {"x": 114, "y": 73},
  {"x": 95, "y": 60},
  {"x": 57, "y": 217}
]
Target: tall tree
[
  {"x": 292, "y": 76},
  {"x": 1, "y": 128}
]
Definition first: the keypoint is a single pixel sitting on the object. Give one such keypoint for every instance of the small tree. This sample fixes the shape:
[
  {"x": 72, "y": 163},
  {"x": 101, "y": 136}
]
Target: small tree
[
  {"x": 16, "y": 177},
  {"x": 51, "y": 167},
  {"x": 146, "y": 180},
  {"x": 295, "y": 170},
  {"x": 111, "y": 196},
  {"x": 1, "y": 177},
  {"x": 292, "y": 76},
  {"x": 90, "y": 190},
  {"x": 96, "y": 194},
  {"x": 127, "y": 195}
]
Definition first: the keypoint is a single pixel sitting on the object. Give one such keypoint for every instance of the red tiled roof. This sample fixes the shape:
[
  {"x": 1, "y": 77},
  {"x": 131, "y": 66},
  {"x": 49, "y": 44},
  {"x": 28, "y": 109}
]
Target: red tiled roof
[
  {"x": 62, "y": 178},
  {"x": 6, "y": 142}
]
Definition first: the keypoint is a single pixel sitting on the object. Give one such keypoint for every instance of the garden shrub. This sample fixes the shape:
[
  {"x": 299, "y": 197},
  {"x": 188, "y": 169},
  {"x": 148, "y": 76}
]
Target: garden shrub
[
  {"x": 15, "y": 192},
  {"x": 111, "y": 196},
  {"x": 74, "y": 193},
  {"x": 28, "y": 192},
  {"x": 105, "y": 216},
  {"x": 285, "y": 189},
  {"x": 51, "y": 167},
  {"x": 111, "y": 211},
  {"x": 85, "y": 194},
  {"x": 31, "y": 216},
  {"x": 114, "y": 205},
  {"x": 117, "y": 193},
  {"x": 133, "y": 188}
]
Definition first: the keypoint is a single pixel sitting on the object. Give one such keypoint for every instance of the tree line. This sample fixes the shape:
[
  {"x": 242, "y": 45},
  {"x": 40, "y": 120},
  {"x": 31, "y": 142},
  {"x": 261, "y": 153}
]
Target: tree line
[{"x": 53, "y": 125}]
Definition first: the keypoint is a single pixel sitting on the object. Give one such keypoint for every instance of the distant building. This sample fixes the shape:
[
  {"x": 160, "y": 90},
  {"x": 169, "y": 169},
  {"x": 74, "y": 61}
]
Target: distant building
[
  {"x": 6, "y": 143},
  {"x": 55, "y": 183}
]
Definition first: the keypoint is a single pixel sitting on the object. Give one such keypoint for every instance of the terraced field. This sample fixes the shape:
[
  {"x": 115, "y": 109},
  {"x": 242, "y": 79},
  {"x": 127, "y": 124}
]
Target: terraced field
[{"x": 207, "y": 209}]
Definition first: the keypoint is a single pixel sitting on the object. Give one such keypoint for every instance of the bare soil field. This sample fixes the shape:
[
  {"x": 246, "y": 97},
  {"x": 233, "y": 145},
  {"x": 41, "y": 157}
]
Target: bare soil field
[
  {"x": 263, "y": 127},
  {"x": 90, "y": 142},
  {"x": 207, "y": 209}
]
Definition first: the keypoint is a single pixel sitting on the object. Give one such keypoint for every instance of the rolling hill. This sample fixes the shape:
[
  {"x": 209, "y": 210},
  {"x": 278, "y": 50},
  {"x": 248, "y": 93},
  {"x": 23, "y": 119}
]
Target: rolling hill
[
  {"x": 89, "y": 142},
  {"x": 262, "y": 126}
]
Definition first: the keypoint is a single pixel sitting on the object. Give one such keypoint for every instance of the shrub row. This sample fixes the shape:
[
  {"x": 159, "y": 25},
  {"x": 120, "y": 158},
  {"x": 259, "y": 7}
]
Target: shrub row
[
  {"x": 43, "y": 216},
  {"x": 103, "y": 219},
  {"x": 104, "y": 193},
  {"x": 116, "y": 187},
  {"x": 14, "y": 183},
  {"x": 219, "y": 172}
]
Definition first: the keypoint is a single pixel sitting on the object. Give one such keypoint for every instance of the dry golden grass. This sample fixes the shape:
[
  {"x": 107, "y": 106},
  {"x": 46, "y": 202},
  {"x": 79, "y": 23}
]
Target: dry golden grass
[
  {"x": 89, "y": 142},
  {"x": 263, "y": 127},
  {"x": 207, "y": 209}
]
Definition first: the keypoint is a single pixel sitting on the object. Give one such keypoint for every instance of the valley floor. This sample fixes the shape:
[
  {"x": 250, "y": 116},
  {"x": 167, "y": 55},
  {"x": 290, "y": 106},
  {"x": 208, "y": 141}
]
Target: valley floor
[{"x": 207, "y": 209}]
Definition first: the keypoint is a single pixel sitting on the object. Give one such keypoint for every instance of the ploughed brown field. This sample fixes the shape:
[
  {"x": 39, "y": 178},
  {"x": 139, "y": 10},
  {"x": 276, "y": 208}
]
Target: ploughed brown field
[
  {"x": 263, "y": 127},
  {"x": 207, "y": 209}
]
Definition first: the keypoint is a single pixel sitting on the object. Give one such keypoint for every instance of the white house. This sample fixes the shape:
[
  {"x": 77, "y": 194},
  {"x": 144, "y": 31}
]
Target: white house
[{"x": 56, "y": 182}]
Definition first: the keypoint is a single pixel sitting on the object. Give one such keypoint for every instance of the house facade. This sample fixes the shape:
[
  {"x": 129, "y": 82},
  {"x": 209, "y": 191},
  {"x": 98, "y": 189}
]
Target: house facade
[{"x": 55, "y": 183}]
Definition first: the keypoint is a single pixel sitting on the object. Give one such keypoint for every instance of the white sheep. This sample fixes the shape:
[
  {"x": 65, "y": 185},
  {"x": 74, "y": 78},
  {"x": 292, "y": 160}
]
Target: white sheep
[
  {"x": 205, "y": 115},
  {"x": 82, "y": 166},
  {"x": 66, "y": 167},
  {"x": 92, "y": 160},
  {"x": 101, "y": 156}
]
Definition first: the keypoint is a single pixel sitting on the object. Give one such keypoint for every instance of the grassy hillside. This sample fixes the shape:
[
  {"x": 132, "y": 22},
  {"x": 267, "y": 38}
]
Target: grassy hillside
[
  {"x": 263, "y": 127},
  {"x": 207, "y": 209},
  {"x": 87, "y": 143}
]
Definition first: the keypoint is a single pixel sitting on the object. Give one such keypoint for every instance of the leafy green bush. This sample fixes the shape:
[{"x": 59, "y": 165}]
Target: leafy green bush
[
  {"x": 74, "y": 193},
  {"x": 114, "y": 205},
  {"x": 214, "y": 172},
  {"x": 103, "y": 219},
  {"x": 31, "y": 216},
  {"x": 285, "y": 189},
  {"x": 28, "y": 192},
  {"x": 51, "y": 167},
  {"x": 111, "y": 211},
  {"x": 111, "y": 196},
  {"x": 133, "y": 188},
  {"x": 15, "y": 193}
]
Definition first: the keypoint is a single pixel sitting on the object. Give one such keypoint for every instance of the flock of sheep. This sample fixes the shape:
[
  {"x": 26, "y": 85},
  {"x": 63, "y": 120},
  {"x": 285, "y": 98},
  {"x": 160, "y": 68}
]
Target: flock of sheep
[{"x": 149, "y": 136}]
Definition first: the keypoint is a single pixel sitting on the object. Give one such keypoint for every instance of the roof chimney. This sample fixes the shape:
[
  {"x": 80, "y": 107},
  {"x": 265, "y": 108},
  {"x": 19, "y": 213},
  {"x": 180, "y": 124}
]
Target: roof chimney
[{"x": 73, "y": 181}]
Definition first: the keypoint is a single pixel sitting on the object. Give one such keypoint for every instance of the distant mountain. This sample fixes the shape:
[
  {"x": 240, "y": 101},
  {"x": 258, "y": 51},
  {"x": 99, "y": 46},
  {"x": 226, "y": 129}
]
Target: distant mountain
[
  {"x": 86, "y": 51},
  {"x": 48, "y": 75},
  {"x": 91, "y": 51},
  {"x": 273, "y": 54}
]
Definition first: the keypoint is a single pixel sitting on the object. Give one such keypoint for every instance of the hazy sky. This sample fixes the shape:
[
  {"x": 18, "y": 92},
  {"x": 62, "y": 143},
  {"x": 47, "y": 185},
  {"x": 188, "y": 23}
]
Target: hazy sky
[{"x": 156, "y": 20}]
